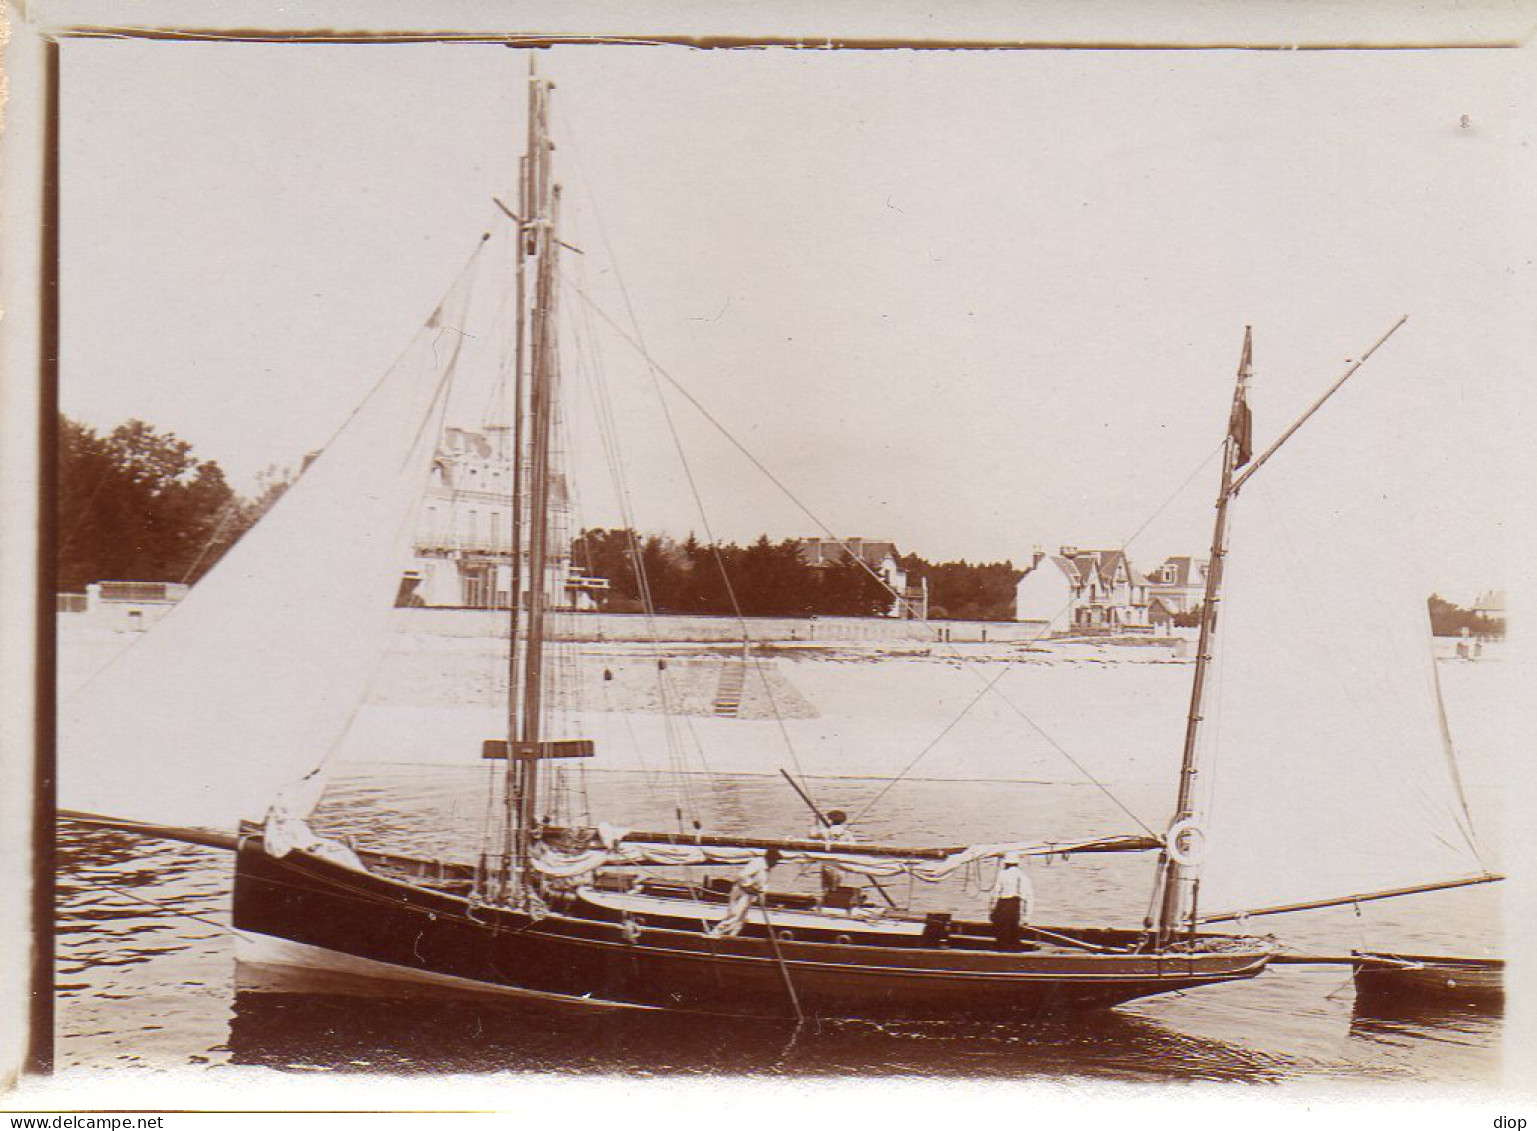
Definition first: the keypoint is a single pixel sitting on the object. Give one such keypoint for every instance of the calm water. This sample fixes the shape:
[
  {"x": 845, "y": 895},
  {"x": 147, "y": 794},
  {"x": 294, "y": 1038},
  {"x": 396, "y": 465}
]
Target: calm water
[{"x": 155, "y": 984}]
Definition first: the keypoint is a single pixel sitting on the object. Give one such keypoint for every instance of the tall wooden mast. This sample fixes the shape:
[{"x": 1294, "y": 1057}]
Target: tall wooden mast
[
  {"x": 1176, "y": 876},
  {"x": 539, "y": 217},
  {"x": 523, "y": 247}
]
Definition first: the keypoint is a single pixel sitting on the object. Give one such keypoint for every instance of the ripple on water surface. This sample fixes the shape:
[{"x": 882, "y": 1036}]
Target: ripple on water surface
[{"x": 147, "y": 977}]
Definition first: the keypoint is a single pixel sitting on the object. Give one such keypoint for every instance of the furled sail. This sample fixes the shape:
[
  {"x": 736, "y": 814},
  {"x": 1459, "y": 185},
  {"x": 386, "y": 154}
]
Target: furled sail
[
  {"x": 1325, "y": 769},
  {"x": 254, "y": 677}
]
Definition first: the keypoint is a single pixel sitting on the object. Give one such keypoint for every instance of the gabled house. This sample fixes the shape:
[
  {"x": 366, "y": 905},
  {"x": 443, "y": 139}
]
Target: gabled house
[
  {"x": 907, "y": 600},
  {"x": 1094, "y": 589},
  {"x": 1177, "y": 586}
]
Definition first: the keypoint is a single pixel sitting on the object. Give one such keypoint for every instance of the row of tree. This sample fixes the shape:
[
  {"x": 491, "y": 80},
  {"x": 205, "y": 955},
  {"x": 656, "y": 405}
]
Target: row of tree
[
  {"x": 762, "y": 579},
  {"x": 1448, "y": 619},
  {"x": 966, "y": 591},
  {"x": 767, "y": 578},
  {"x": 137, "y": 504}
]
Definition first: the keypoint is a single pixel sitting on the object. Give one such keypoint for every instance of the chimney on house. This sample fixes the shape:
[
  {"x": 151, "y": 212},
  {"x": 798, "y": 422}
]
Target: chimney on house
[
  {"x": 1069, "y": 551},
  {"x": 1036, "y": 555}
]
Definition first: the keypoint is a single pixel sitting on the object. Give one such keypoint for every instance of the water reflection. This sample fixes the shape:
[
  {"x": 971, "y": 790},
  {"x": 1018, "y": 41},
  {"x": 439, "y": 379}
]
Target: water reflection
[
  {"x": 145, "y": 971},
  {"x": 333, "y": 1028},
  {"x": 1399, "y": 1021}
]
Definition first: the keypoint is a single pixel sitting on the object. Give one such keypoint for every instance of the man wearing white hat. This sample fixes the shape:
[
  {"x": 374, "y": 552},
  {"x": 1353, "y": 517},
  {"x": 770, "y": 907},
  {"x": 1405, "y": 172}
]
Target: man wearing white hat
[{"x": 1012, "y": 897}]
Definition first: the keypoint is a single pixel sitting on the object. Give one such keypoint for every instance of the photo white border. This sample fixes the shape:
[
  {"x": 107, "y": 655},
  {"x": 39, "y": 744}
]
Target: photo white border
[{"x": 1154, "y": 23}]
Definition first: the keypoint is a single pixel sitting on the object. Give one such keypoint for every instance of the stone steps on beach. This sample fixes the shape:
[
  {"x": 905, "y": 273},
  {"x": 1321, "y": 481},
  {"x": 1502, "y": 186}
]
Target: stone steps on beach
[{"x": 728, "y": 690}]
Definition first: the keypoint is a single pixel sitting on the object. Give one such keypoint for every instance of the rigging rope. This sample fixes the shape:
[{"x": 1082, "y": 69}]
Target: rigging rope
[
  {"x": 598, "y": 388},
  {"x": 699, "y": 506},
  {"x": 657, "y": 372},
  {"x": 609, "y": 438},
  {"x": 951, "y": 725},
  {"x": 466, "y": 270},
  {"x": 410, "y": 520},
  {"x": 785, "y": 490},
  {"x": 688, "y": 470},
  {"x": 226, "y": 513}
]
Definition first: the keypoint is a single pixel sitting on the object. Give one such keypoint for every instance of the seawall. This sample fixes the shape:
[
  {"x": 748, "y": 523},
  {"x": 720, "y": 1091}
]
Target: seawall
[{"x": 592, "y": 626}]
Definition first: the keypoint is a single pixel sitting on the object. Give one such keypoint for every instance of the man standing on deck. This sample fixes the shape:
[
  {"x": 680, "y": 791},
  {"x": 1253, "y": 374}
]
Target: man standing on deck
[
  {"x": 1012, "y": 899},
  {"x": 835, "y": 832},
  {"x": 746, "y": 890}
]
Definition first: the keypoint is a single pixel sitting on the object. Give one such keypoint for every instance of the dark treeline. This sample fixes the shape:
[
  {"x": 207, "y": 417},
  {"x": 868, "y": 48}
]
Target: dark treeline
[
  {"x": 772, "y": 579},
  {"x": 767, "y": 579},
  {"x": 136, "y": 504},
  {"x": 963, "y": 591},
  {"x": 1447, "y": 619}
]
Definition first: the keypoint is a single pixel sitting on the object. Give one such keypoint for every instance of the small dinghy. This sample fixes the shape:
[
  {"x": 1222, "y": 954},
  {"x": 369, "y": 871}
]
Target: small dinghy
[{"x": 1419, "y": 977}]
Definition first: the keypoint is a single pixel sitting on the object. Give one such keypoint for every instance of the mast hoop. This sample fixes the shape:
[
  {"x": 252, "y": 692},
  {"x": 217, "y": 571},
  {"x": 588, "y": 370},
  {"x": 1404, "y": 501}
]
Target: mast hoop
[{"x": 1186, "y": 842}]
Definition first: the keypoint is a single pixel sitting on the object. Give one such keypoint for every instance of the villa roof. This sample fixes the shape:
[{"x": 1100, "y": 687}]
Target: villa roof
[
  {"x": 1082, "y": 563},
  {"x": 825, "y": 551},
  {"x": 1106, "y": 561},
  {"x": 1186, "y": 571}
]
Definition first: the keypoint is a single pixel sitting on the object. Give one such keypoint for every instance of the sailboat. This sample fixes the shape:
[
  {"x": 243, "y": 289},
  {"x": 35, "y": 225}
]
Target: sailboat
[{"x": 205, "y": 729}]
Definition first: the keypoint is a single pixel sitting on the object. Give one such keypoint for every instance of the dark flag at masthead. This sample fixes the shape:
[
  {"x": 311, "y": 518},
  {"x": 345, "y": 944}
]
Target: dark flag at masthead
[{"x": 1242, "y": 424}]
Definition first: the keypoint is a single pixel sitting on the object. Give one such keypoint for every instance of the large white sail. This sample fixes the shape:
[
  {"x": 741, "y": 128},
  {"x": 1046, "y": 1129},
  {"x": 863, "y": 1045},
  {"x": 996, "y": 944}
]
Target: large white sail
[
  {"x": 1325, "y": 771},
  {"x": 251, "y": 681}
]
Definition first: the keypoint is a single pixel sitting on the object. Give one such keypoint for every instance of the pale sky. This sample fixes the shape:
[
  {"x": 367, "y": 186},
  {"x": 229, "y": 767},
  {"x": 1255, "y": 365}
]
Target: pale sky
[{"x": 970, "y": 302}]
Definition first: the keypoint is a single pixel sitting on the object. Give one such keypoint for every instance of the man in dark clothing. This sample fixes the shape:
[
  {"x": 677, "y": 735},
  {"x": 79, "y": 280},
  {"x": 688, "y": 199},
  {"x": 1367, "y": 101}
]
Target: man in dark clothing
[{"x": 1012, "y": 897}]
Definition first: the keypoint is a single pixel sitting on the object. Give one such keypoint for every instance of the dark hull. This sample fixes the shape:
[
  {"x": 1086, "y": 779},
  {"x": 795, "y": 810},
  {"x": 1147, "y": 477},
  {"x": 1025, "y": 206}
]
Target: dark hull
[
  {"x": 578, "y": 955},
  {"x": 1384, "y": 978}
]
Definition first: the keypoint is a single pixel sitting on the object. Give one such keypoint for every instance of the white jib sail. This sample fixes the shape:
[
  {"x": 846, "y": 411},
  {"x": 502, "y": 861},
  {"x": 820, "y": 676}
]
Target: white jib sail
[
  {"x": 1324, "y": 768},
  {"x": 253, "y": 678}
]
